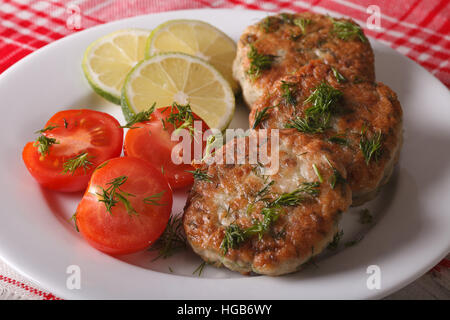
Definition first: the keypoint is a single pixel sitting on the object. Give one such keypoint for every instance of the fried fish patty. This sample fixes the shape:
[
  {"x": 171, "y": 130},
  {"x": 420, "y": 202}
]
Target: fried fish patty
[
  {"x": 364, "y": 121},
  {"x": 251, "y": 220},
  {"x": 279, "y": 45}
]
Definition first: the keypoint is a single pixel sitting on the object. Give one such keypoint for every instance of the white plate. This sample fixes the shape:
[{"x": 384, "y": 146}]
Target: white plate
[{"x": 412, "y": 232}]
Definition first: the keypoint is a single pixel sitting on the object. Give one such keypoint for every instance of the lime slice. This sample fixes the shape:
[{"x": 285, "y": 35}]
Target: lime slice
[
  {"x": 198, "y": 39},
  {"x": 108, "y": 60},
  {"x": 177, "y": 77}
]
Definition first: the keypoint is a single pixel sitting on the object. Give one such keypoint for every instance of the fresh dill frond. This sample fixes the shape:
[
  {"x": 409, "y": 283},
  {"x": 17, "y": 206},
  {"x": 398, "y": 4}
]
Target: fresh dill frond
[
  {"x": 172, "y": 240},
  {"x": 261, "y": 116},
  {"x": 113, "y": 195},
  {"x": 181, "y": 117},
  {"x": 79, "y": 161},
  {"x": 47, "y": 128},
  {"x": 104, "y": 164},
  {"x": 317, "y": 117},
  {"x": 269, "y": 24},
  {"x": 339, "y": 77},
  {"x": 260, "y": 196},
  {"x": 74, "y": 219},
  {"x": 258, "y": 62},
  {"x": 199, "y": 269},
  {"x": 140, "y": 117},
  {"x": 347, "y": 30},
  {"x": 318, "y": 174},
  {"x": 154, "y": 198},
  {"x": 371, "y": 148},
  {"x": 339, "y": 139},
  {"x": 234, "y": 236},
  {"x": 336, "y": 178},
  {"x": 43, "y": 144},
  {"x": 302, "y": 23},
  {"x": 200, "y": 175},
  {"x": 288, "y": 92},
  {"x": 298, "y": 195},
  {"x": 365, "y": 217},
  {"x": 333, "y": 245}
]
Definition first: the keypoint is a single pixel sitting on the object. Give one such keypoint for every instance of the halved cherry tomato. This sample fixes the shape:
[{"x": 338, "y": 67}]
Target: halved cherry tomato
[
  {"x": 151, "y": 141},
  {"x": 82, "y": 140},
  {"x": 126, "y": 206}
]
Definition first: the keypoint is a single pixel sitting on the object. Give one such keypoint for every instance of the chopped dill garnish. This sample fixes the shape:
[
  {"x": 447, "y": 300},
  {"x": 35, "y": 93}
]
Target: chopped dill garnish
[
  {"x": 112, "y": 195},
  {"x": 47, "y": 128},
  {"x": 74, "y": 219},
  {"x": 347, "y": 30},
  {"x": 365, "y": 217},
  {"x": 286, "y": 18},
  {"x": 79, "y": 161},
  {"x": 336, "y": 178},
  {"x": 339, "y": 77},
  {"x": 43, "y": 144},
  {"x": 66, "y": 124},
  {"x": 302, "y": 23},
  {"x": 154, "y": 198},
  {"x": 258, "y": 62},
  {"x": 172, "y": 240},
  {"x": 338, "y": 139},
  {"x": 333, "y": 245},
  {"x": 318, "y": 174},
  {"x": 102, "y": 165},
  {"x": 181, "y": 117},
  {"x": 264, "y": 191},
  {"x": 200, "y": 268},
  {"x": 260, "y": 116},
  {"x": 140, "y": 117},
  {"x": 269, "y": 24},
  {"x": 288, "y": 94},
  {"x": 235, "y": 235},
  {"x": 200, "y": 175},
  {"x": 371, "y": 148},
  {"x": 317, "y": 117}
]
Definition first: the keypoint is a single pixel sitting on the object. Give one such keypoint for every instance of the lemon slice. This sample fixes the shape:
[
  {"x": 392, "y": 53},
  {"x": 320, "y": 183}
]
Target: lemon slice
[
  {"x": 177, "y": 77},
  {"x": 198, "y": 39},
  {"x": 108, "y": 60}
]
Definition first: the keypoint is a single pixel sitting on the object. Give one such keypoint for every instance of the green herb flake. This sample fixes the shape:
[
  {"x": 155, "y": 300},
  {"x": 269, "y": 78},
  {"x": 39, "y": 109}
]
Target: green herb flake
[
  {"x": 154, "y": 199},
  {"x": 172, "y": 240},
  {"x": 140, "y": 117},
  {"x": 200, "y": 175},
  {"x": 333, "y": 245},
  {"x": 288, "y": 93},
  {"x": 43, "y": 144},
  {"x": 302, "y": 24},
  {"x": 339, "y": 77},
  {"x": 258, "y": 62},
  {"x": 318, "y": 174},
  {"x": 79, "y": 161},
  {"x": 371, "y": 148},
  {"x": 113, "y": 195},
  {"x": 260, "y": 116},
  {"x": 347, "y": 30}
]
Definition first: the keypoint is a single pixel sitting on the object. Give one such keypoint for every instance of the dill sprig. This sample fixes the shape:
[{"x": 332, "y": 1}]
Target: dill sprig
[
  {"x": 269, "y": 24},
  {"x": 318, "y": 174},
  {"x": 79, "y": 161},
  {"x": 172, "y": 240},
  {"x": 338, "y": 139},
  {"x": 200, "y": 268},
  {"x": 258, "y": 62},
  {"x": 181, "y": 117},
  {"x": 200, "y": 175},
  {"x": 333, "y": 245},
  {"x": 43, "y": 144},
  {"x": 336, "y": 178},
  {"x": 261, "y": 116},
  {"x": 302, "y": 23},
  {"x": 47, "y": 128},
  {"x": 324, "y": 99},
  {"x": 113, "y": 194},
  {"x": 154, "y": 198},
  {"x": 339, "y": 77},
  {"x": 371, "y": 148},
  {"x": 235, "y": 235},
  {"x": 347, "y": 30},
  {"x": 140, "y": 117},
  {"x": 288, "y": 92}
]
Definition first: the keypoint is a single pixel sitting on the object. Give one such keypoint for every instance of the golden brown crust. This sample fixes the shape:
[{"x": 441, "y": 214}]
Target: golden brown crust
[
  {"x": 372, "y": 107},
  {"x": 300, "y": 232},
  {"x": 294, "y": 49}
]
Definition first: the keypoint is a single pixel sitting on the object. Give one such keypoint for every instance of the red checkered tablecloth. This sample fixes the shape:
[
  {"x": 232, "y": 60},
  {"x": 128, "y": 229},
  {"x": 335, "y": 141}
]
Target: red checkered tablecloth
[{"x": 415, "y": 28}]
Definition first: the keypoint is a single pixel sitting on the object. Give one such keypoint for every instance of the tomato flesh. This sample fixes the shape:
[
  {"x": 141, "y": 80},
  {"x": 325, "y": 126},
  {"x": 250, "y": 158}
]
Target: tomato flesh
[
  {"x": 151, "y": 141},
  {"x": 76, "y": 131},
  {"x": 118, "y": 231}
]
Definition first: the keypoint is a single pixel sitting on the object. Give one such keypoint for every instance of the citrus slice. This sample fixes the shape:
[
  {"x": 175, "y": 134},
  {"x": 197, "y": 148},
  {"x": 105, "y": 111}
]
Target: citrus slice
[
  {"x": 108, "y": 60},
  {"x": 196, "y": 38},
  {"x": 177, "y": 77}
]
